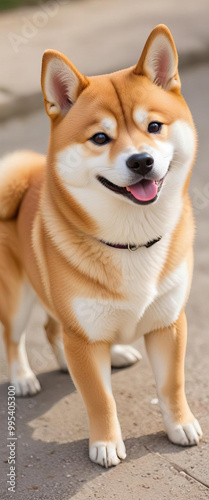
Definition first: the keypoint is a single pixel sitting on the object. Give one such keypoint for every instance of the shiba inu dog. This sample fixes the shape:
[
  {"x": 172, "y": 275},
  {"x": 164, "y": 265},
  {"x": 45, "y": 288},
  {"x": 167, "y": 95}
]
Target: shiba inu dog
[{"x": 102, "y": 231}]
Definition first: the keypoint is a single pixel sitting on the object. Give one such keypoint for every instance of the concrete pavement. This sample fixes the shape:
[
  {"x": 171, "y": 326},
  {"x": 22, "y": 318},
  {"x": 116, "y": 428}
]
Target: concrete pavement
[
  {"x": 52, "y": 428},
  {"x": 97, "y": 36}
]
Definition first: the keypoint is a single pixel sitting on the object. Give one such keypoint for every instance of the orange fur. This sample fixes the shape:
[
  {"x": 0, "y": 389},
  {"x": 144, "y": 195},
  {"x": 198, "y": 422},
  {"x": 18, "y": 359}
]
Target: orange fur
[
  {"x": 55, "y": 241},
  {"x": 16, "y": 171},
  {"x": 182, "y": 240}
]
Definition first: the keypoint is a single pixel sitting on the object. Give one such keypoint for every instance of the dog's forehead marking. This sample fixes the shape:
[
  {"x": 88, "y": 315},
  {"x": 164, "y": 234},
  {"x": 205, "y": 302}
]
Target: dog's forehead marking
[
  {"x": 139, "y": 115},
  {"x": 109, "y": 124}
]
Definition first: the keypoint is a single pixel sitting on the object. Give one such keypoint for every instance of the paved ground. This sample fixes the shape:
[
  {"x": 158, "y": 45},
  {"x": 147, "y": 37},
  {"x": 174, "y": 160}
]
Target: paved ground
[
  {"x": 97, "y": 36},
  {"x": 52, "y": 428}
]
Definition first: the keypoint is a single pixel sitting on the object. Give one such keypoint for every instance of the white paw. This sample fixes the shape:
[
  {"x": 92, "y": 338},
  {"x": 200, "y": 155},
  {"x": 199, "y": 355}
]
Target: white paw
[
  {"x": 186, "y": 434},
  {"x": 26, "y": 385},
  {"x": 124, "y": 355},
  {"x": 107, "y": 453}
]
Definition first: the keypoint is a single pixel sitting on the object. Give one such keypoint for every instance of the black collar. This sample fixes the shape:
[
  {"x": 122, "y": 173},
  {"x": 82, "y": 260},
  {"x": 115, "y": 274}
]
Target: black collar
[{"x": 132, "y": 248}]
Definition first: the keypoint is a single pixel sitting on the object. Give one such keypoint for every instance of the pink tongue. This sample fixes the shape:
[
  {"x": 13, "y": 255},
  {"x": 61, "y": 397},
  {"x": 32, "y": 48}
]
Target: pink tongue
[{"x": 144, "y": 190}]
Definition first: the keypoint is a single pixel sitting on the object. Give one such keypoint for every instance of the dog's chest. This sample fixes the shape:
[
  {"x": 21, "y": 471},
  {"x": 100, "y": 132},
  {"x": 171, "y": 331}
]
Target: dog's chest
[{"x": 116, "y": 320}]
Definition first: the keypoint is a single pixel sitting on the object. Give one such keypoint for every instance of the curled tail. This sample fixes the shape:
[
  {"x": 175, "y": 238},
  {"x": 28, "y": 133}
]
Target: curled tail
[{"x": 16, "y": 170}]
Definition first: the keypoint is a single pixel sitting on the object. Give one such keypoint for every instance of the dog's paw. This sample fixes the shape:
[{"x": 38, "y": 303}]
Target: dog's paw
[
  {"x": 124, "y": 355},
  {"x": 107, "y": 453},
  {"x": 187, "y": 434},
  {"x": 26, "y": 385}
]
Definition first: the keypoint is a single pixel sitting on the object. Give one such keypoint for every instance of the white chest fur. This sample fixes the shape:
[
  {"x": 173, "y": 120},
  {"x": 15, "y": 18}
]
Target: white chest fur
[{"x": 147, "y": 304}]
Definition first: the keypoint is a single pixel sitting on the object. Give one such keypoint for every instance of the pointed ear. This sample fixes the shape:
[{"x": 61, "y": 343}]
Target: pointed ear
[
  {"x": 159, "y": 59},
  {"x": 61, "y": 83}
]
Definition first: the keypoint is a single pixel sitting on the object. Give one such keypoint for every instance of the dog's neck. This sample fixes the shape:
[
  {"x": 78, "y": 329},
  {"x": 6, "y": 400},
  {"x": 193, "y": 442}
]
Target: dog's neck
[{"x": 132, "y": 248}]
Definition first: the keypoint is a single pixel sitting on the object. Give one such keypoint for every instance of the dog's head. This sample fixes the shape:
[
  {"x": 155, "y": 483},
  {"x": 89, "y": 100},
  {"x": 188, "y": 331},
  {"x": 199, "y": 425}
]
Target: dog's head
[{"x": 124, "y": 140}]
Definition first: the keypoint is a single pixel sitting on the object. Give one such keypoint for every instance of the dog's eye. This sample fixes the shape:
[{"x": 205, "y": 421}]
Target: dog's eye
[
  {"x": 154, "y": 127},
  {"x": 100, "y": 139}
]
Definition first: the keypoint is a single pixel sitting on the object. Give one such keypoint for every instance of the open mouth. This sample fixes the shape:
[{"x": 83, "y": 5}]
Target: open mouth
[{"x": 143, "y": 192}]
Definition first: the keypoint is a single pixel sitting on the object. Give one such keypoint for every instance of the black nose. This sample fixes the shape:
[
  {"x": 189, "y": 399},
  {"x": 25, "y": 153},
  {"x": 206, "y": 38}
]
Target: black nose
[{"x": 140, "y": 163}]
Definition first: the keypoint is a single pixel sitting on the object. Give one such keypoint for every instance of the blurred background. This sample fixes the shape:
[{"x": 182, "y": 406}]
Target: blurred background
[{"x": 101, "y": 36}]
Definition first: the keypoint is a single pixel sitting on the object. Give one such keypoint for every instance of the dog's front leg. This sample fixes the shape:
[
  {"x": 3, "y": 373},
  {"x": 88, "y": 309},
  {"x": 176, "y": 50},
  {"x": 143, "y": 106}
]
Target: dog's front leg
[
  {"x": 166, "y": 349},
  {"x": 90, "y": 366}
]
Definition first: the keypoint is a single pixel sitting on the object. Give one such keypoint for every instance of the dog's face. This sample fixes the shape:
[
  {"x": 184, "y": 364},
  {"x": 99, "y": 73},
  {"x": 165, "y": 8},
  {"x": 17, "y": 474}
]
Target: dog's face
[{"x": 128, "y": 137}]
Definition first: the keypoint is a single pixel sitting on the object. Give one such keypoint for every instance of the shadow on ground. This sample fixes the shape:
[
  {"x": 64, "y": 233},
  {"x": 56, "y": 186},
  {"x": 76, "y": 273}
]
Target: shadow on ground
[{"x": 44, "y": 462}]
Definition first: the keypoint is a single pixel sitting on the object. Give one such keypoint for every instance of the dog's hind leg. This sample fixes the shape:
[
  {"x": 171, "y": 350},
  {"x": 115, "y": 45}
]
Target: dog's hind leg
[
  {"x": 20, "y": 373},
  {"x": 54, "y": 336},
  {"x": 16, "y": 301},
  {"x": 124, "y": 355}
]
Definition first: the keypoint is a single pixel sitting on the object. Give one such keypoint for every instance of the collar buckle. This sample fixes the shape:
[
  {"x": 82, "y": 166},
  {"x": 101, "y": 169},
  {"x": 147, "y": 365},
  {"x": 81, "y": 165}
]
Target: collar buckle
[{"x": 133, "y": 248}]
